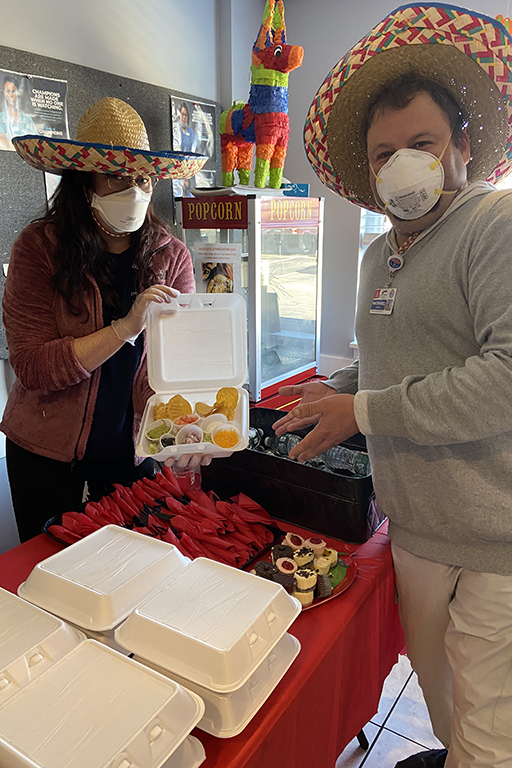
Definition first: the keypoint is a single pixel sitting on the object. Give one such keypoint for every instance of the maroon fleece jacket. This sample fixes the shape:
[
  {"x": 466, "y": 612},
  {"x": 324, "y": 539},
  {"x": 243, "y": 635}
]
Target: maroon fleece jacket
[{"x": 51, "y": 404}]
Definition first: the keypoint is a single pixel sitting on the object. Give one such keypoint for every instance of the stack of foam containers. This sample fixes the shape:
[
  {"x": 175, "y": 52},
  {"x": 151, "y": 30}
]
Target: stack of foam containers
[
  {"x": 66, "y": 701},
  {"x": 219, "y": 632},
  {"x": 95, "y": 584}
]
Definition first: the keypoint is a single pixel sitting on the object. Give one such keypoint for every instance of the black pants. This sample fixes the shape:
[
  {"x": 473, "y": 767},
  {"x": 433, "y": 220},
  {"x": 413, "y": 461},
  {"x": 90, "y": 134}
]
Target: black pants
[{"x": 42, "y": 488}]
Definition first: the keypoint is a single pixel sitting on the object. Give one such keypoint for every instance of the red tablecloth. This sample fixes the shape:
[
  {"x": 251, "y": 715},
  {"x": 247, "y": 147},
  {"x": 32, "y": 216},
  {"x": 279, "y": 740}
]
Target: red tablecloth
[{"x": 349, "y": 645}]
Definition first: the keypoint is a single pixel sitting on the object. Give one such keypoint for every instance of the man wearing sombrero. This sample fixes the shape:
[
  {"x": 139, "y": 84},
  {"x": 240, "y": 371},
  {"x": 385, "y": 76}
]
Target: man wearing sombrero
[{"x": 415, "y": 121}]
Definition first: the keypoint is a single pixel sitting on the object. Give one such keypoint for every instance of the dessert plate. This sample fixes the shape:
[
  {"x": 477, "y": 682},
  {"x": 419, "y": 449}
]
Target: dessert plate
[
  {"x": 343, "y": 573},
  {"x": 347, "y": 579}
]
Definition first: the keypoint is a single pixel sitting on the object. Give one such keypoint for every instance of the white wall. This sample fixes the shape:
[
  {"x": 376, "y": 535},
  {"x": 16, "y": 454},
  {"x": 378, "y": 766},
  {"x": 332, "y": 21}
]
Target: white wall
[
  {"x": 170, "y": 43},
  {"x": 327, "y": 29}
]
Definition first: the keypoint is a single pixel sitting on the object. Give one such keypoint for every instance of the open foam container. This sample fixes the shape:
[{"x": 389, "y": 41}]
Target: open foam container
[
  {"x": 210, "y": 624},
  {"x": 99, "y": 580},
  {"x": 95, "y": 707},
  {"x": 197, "y": 344},
  {"x": 227, "y": 714}
]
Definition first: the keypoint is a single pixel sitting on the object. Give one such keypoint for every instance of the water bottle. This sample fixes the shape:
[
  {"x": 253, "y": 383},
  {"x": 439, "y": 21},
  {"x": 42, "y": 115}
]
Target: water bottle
[
  {"x": 340, "y": 457},
  {"x": 255, "y": 437},
  {"x": 282, "y": 445}
]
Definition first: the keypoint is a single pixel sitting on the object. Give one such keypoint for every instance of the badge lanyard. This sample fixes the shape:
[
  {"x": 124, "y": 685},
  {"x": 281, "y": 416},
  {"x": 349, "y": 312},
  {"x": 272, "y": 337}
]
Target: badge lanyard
[{"x": 384, "y": 298}]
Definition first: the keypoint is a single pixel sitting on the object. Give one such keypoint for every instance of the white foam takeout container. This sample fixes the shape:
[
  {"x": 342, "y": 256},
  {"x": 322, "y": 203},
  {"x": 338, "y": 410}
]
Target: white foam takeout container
[
  {"x": 96, "y": 582},
  {"x": 95, "y": 707},
  {"x": 107, "y": 637},
  {"x": 31, "y": 640},
  {"x": 189, "y": 755},
  {"x": 211, "y": 624},
  {"x": 197, "y": 344},
  {"x": 227, "y": 714}
]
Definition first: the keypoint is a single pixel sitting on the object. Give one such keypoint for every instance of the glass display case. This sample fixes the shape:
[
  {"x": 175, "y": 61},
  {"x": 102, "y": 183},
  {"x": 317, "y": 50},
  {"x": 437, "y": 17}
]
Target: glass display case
[{"x": 269, "y": 249}]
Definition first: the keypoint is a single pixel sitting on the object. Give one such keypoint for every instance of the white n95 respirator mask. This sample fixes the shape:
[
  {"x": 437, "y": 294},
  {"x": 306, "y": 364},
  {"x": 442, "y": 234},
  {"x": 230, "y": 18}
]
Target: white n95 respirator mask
[
  {"x": 411, "y": 183},
  {"x": 123, "y": 211}
]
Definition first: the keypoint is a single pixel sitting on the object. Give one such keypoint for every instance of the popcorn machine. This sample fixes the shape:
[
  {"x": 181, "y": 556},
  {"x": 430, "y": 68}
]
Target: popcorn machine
[{"x": 268, "y": 249}]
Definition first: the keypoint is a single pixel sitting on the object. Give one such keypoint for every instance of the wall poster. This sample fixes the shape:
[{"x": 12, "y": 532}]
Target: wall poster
[
  {"x": 30, "y": 104},
  {"x": 193, "y": 130}
]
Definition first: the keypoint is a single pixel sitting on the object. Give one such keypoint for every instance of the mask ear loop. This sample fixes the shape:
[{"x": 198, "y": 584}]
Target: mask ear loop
[
  {"x": 434, "y": 165},
  {"x": 379, "y": 181}
]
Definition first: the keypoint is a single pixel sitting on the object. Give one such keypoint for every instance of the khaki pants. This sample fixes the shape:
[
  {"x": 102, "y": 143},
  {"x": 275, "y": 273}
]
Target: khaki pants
[{"x": 458, "y": 630}]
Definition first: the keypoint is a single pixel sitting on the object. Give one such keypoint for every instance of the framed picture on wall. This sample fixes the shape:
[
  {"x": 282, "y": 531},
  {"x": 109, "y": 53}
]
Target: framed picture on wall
[{"x": 194, "y": 127}]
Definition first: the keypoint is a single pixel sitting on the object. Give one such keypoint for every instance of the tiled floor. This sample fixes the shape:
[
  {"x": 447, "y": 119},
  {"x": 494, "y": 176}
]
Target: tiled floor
[{"x": 400, "y": 728}]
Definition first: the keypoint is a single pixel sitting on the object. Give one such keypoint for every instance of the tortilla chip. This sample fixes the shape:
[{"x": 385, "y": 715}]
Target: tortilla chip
[
  {"x": 204, "y": 410},
  {"x": 229, "y": 413},
  {"x": 178, "y": 406},
  {"x": 227, "y": 397},
  {"x": 160, "y": 411}
]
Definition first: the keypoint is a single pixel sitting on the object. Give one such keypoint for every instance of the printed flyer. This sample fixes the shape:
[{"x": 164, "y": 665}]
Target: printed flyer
[{"x": 218, "y": 267}]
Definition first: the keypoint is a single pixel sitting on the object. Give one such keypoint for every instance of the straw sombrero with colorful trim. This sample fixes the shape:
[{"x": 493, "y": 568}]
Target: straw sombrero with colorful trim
[
  {"x": 111, "y": 138},
  {"x": 467, "y": 53}
]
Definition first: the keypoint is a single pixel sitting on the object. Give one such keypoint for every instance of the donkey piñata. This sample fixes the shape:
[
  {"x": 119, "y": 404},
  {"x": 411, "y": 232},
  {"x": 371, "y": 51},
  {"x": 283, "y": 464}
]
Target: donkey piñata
[{"x": 264, "y": 119}]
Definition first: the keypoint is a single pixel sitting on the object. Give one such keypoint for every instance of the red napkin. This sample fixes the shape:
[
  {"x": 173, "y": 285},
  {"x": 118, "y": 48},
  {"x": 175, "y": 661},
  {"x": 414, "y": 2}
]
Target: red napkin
[
  {"x": 79, "y": 523},
  {"x": 169, "y": 475},
  {"x": 63, "y": 534},
  {"x": 199, "y": 524},
  {"x": 128, "y": 498}
]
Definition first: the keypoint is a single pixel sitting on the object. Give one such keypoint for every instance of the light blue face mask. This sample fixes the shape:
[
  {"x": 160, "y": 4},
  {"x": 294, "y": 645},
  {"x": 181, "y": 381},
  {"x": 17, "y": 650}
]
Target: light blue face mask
[
  {"x": 411, "y": 182},
  {"x": 123, "y": 211}
]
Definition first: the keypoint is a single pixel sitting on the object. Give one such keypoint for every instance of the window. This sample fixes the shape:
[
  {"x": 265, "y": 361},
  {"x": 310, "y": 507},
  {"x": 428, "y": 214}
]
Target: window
[{"x": 371, "y": 226}]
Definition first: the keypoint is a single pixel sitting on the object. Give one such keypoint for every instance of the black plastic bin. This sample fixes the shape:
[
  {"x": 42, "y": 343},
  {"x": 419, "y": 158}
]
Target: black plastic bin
[{"x": 338, "y": 505}]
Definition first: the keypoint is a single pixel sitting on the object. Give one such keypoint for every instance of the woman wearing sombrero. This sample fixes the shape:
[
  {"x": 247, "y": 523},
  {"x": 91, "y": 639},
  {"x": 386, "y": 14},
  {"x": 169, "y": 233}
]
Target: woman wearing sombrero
[
  {"x": 79, "y": 285},
  {"x": 415, "y": 121}
]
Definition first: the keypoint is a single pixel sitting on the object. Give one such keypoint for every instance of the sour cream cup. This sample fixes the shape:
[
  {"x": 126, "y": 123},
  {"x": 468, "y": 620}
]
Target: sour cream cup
[{"x": 210, "y": 422}]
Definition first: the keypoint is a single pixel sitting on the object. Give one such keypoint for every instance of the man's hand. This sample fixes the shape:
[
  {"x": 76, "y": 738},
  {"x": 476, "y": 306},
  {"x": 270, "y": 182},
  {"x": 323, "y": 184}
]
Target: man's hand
[
  {"x": 309, "y": 393},
  {"x": 334, "y": 419}
]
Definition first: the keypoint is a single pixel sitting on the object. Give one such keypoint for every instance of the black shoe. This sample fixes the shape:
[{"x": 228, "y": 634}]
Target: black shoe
[{"x": 432, "y": 758}]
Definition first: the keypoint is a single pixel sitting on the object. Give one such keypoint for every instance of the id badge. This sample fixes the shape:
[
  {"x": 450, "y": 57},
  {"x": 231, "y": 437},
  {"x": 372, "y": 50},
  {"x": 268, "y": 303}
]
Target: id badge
[{"x": 383, "y": 301}]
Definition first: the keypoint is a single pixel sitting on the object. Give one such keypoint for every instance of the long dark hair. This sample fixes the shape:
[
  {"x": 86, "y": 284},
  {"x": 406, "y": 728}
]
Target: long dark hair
[{"x": 81, "y": 250}]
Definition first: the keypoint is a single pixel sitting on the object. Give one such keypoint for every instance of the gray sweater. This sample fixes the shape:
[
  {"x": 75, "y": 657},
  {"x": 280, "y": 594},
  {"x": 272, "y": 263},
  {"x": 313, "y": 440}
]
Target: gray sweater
[{"x": 435, "y": 385}]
